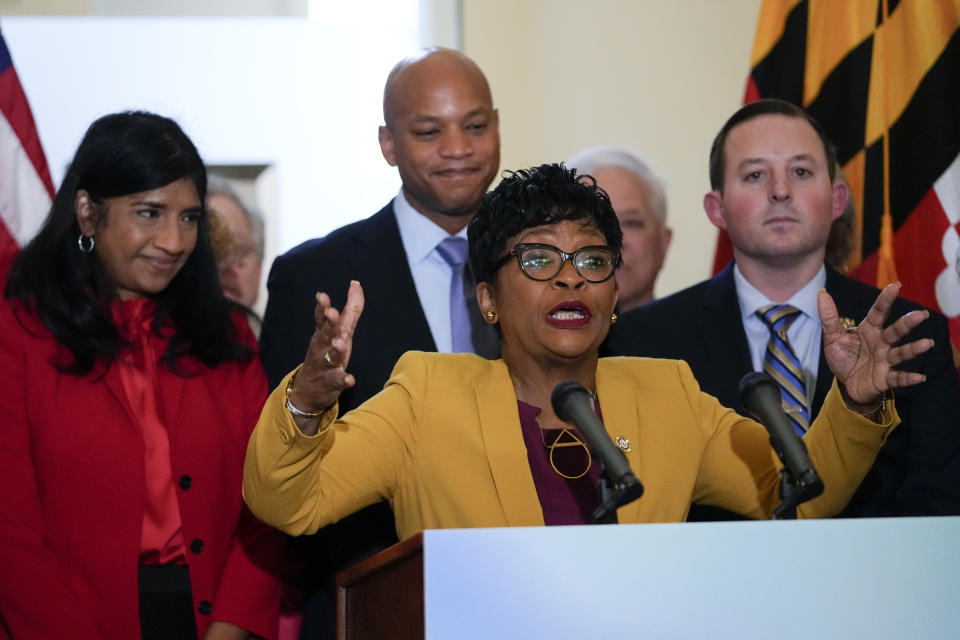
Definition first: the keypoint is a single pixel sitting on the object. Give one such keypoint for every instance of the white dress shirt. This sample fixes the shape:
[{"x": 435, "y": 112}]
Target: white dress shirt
[
  {"x": 431, "y": 273},
  {"x": 804, "y": 334}
]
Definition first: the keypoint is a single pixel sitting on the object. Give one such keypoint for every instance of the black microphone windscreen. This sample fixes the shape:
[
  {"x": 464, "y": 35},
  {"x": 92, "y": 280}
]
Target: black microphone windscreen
[
  {"x": 754, "y": 378},
  {"x": 758, "y": 391},
  {"x": 560, "y": 393}
]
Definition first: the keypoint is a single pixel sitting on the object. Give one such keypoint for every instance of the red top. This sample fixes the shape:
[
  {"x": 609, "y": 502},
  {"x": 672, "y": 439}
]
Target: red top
[
  {"x": 73, "y": 467},
  {"x": 161, "y": 541}
]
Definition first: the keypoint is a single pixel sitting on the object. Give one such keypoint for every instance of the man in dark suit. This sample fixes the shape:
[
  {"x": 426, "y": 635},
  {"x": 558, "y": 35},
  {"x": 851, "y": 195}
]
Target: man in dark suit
[
  {"x": 775, "y": 193},
  {"x": 441, "y": 131}
]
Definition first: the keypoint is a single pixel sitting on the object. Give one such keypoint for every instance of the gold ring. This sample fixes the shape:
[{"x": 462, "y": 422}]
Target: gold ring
[{"x": 327, "y": 360}]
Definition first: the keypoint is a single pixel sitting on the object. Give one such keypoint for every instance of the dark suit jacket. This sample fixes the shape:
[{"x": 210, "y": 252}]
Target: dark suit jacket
[
  {"x": 392, "y": 321},
  {"x": 918, "y": 470}
]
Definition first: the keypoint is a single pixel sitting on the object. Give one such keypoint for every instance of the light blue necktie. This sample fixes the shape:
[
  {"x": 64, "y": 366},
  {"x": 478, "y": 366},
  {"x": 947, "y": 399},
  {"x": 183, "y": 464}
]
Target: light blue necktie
[
  {"x": 782, "y": 363},
  {"x": 454, "y": 251}
]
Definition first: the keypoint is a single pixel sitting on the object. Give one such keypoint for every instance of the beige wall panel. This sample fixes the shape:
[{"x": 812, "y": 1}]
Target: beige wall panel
[
  {"x": 656, "y": 75},
  {"x": 154, "y": 7},
  {"x": 44, "y": 7}
]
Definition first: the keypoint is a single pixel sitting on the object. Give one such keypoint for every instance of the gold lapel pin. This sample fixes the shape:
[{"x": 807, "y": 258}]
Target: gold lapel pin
[
  {"x": 623, "y": 443},
  {"x": 849, "y": 324}
]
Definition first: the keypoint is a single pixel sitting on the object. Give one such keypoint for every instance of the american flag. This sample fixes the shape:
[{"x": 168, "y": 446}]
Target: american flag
[{"x": 26, "y": 190}]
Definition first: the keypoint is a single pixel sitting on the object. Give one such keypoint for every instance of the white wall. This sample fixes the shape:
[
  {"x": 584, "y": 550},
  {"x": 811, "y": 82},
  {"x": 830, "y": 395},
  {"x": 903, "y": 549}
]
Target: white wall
[
  {"x": 304, "y": 96},
  {"x": 160, "y": 7},
  {"x": 660, "y": 76}
]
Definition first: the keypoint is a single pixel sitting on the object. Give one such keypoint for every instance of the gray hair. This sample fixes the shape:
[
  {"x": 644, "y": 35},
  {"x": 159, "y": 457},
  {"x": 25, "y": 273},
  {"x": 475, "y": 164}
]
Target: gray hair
[
  {"x": 220, "y": 185},
  {"x": 591, "y": 159}
]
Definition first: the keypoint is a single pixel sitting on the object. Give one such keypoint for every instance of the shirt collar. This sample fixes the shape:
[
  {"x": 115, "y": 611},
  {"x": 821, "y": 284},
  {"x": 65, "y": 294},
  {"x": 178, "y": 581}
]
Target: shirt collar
[
  {"x": 419, "y": 235},
  {"x": 805, "y": 299}
]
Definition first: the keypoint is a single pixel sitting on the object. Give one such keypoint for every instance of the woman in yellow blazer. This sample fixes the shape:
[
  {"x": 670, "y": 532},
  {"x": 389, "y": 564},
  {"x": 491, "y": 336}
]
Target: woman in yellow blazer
[{"x": 454, "y": 440}]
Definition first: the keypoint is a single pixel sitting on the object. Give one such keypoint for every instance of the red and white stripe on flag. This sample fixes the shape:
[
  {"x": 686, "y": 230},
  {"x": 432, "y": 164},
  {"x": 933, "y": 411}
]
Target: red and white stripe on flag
[
  {"x": 26, "y": 190},
  {"x": 947, "y": 283}
]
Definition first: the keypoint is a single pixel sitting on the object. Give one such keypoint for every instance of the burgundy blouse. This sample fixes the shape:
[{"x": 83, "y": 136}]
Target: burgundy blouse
[{"x": 564, "y": 501}]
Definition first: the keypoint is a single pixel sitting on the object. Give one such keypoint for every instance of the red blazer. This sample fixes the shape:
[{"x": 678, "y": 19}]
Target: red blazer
[{"x": 72, "y": 485}]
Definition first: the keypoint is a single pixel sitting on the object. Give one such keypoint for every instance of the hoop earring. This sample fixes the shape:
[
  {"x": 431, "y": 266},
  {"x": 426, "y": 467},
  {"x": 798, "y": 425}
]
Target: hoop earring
[
  {"x": 613, "y": 318},
  {"x": 491, "y": 315},
  {"x": 85, "y": 248}
]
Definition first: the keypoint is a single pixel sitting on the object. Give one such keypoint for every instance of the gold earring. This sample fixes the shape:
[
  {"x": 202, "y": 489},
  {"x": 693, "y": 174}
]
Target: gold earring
[
  {"x": 613, "y": 318},
  {"x": 491, "y": 315}
]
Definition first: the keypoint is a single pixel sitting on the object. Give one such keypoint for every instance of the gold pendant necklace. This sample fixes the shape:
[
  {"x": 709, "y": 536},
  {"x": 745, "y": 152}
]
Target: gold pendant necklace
[{"x": 573, "y": 442}]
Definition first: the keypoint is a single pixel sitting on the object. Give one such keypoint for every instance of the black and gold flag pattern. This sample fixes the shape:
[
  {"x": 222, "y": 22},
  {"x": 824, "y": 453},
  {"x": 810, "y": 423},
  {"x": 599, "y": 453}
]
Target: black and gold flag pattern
[{"x": 883, "y": 77}]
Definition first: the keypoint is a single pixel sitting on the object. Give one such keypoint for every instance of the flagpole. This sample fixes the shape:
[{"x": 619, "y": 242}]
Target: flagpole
[{"x": 886, "y": 260}]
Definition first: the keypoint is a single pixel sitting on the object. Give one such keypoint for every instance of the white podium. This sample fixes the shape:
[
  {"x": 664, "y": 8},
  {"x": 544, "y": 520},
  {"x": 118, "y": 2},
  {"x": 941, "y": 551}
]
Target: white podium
[{"x": 863, "y": 578}]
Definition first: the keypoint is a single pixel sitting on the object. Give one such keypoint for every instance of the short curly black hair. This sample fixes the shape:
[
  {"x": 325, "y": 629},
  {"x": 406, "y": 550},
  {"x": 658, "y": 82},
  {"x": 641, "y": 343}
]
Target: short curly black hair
[{"x": 533, "y": 197}]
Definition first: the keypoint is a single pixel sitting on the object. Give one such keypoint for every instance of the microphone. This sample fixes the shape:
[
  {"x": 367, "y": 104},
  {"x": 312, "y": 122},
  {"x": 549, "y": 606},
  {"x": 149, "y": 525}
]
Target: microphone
[
  {"x": 574, "y": 404},
  {"x": 760, "y": 394}
]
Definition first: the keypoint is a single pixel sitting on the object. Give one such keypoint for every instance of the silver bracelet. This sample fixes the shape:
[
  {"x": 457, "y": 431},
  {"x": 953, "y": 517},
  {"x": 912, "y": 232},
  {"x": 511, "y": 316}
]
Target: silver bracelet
[
  {"x": 299, "y": 413},
  {"x": 880, "y": 409}
]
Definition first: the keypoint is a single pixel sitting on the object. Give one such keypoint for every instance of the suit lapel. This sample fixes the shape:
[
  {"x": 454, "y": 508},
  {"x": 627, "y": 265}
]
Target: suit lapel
[
  {"x": 114, "y": 381},
  {"x": 850, "y": 304},
  {"x": 506, "y": 452},
  {"x": 824, "y": 380},
  {"x": 169, "y": 394},
  {"x": 720, "y": 326},
  {"x": 391, "y": 298},
  {"x": 621, "y": 419}
]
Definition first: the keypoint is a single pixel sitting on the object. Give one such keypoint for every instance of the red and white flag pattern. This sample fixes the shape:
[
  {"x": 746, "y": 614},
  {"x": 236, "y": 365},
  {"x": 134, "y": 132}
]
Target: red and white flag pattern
[{"x": 26, "y": 190}]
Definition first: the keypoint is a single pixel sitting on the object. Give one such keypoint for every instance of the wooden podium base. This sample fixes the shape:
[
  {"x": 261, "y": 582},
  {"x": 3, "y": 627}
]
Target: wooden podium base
[{"x": 382, "y": 596}]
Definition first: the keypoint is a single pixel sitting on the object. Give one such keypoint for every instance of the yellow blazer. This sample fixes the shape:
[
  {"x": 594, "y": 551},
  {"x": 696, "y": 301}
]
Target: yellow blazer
[{"x": 442, "y": 443}]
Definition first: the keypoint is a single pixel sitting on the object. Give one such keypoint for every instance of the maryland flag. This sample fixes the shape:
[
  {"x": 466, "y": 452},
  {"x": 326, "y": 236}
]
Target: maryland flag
[{"x": 883, "y": 77}]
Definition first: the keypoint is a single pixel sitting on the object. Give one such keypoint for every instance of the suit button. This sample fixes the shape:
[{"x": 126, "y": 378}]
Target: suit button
[
  {"x": 205, "y": 608},
  {"x": 196, "y": 545},
  {"x": 185, "y": 482}
]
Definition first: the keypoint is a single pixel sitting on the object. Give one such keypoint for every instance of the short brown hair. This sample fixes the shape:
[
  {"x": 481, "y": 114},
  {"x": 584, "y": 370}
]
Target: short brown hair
[{"x": 765, "y": 107}]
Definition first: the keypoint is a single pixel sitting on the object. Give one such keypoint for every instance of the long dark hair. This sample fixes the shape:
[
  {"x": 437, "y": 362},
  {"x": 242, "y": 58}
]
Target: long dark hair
[{"x": 69, "y": 290}]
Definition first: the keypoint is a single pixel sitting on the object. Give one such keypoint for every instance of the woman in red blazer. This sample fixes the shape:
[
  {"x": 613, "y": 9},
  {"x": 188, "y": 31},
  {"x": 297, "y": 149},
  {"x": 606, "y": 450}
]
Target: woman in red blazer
[{"x": 130, "y": 389}]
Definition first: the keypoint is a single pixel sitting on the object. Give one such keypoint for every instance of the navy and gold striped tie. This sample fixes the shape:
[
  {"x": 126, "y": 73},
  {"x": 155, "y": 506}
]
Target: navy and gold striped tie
[{"x": 782, "y": 364}]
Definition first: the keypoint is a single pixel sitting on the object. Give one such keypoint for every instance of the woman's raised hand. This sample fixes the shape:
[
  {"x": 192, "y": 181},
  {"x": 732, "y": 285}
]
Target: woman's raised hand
[
  {"x": 323, "y": 375},
  {"x": 864, "y": 358}
]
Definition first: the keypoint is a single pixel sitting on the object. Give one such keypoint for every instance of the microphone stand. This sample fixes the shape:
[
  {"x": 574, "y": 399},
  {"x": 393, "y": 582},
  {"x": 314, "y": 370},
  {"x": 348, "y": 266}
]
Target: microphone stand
[
  {"x": 604, "y": 514},
  {"x": 787, "y": 509},
  {"x": 799, "y": 480},
  {"x": 618, "y": 485},
  {"x": 614, "y": 493},
  {"x": 793, "y": 494}
]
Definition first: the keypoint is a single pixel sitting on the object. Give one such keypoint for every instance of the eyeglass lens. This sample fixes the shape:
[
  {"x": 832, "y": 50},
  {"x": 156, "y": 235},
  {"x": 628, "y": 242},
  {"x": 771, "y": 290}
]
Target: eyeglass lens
[{"x": 543, "y": 261}]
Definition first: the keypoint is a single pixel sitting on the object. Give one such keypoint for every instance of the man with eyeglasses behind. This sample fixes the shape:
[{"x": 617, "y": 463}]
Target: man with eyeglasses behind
[
  {"x": 639, "y": 197},
  {"x": 242, "y": 263}
]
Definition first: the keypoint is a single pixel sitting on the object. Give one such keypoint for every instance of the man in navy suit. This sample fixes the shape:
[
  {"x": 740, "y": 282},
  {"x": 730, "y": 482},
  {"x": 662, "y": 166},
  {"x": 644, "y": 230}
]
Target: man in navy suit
[
  {"x": 775, "y": 192},
  {"x": 441, "y": 131}
]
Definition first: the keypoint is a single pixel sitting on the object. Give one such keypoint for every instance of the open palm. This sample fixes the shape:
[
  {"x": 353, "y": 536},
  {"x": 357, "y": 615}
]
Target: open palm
[{"x": 864, "y": 358}]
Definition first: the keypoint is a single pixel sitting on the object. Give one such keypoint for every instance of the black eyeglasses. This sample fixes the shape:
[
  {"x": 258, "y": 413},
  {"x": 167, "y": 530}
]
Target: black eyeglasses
[{"x": 595, "y": 263}]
